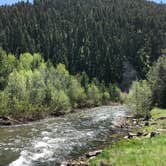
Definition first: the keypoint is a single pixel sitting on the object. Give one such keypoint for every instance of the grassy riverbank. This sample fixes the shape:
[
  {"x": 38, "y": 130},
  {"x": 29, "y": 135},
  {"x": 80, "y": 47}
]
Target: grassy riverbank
[{"x": 138, "y": 151}]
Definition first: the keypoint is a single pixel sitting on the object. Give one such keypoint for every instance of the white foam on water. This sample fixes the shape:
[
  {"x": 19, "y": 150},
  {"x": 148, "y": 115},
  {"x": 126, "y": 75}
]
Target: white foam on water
[
  {"x": 41, "y": 145},
  {"x": 22, "y": 160}
]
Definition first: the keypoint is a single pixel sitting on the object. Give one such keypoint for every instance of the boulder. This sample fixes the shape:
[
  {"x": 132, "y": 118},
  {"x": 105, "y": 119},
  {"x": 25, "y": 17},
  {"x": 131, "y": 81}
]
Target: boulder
[
  {"x": 131, "y": 135},
  {"x": 154, "y": 134},
  {"x": 139, "y": 134},
  {"x": 5, "y": 121},
  {"x": 161, "y": 130},
  {"x": 94, "y": 153},
  {"x": 91, "y": 158},
  {"x": 145, "y": 134},
  {"x": 126, "y": 137},
  {"x": 146, "y": 123},
  {"x": 65, "y": 163},
  {"x": 162, "y": 118}
]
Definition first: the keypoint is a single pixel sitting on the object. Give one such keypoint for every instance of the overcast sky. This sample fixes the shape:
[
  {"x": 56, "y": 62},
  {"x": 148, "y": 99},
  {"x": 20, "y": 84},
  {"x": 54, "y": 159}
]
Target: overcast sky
[{"x": 3, "y": 2}]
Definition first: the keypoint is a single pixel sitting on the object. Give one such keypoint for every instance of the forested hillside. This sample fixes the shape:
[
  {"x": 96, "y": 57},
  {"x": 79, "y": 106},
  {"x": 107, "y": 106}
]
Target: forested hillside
[{"x": 95, "y": 36}]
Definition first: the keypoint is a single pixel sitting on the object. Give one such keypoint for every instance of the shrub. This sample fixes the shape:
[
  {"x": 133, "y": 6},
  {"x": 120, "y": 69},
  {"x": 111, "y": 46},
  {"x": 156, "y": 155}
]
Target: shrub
[
  {"x": 3, "y": 104},
  {"x": 94, "y": 95},
  {"x": 60, "y": 102},
  {"x": 106, "y": 97},
  {"x": 16, "y": 92},
  {"x": 140, "y": 98},
  {"x": 76, "y": 93},
  {"x": 7, "y": 64},
  {"x": 26, "y": 60},
  {"x": 115, "y": 93}
]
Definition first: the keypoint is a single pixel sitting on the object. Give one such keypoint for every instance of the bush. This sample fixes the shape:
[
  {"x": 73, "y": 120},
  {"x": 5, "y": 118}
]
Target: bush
[
  {"x": 106, "y": 97},
  {"x": 115, "y": 93},
  {"x": 157, "y": 80},
  {"x": 94, "y": 95},
  {"x": 60, "y": 102},
  {"x": 7, "y": 65},
  {"x": 3, "y": 104},
  {"x": 16, "y": 92},
  {"x": 76, "y": 93},
  {"x": 140, "y": 98}
]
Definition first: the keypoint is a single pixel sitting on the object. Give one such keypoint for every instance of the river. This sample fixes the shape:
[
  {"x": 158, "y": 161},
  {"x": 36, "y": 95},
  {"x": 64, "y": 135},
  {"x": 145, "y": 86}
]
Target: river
[{"x": 53, "y": 140}]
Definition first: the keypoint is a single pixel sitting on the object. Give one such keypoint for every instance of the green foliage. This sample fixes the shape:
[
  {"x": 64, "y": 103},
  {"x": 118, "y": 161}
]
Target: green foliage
[
  {"x": 76, "y": 93},
  {"x": 60, "y": 102},
  {"x": 106, "y": 97},
  {"x": 16, "y": 93},
  {"x": 157, "y": 81},
  {"x": 140, "y": 98},
  {"x": 33, "y": 87},
  {"x": 26, "y": 60},
  {"x": 115, "y": 93},
  {"x": 93, "y": 36},
  {"x": 3, "y": 103},
  {"x": 7, "y": 64},
  {"x": 94, "y": 95}
]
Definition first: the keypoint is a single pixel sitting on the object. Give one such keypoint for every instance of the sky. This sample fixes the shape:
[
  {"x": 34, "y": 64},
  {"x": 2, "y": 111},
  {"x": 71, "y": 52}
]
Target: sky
[
  {"x": 3, "y": 2},
  {"x": 9, "y": 2}
]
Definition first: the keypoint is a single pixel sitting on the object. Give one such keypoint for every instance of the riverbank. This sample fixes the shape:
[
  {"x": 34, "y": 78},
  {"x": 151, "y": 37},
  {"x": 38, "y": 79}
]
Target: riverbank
[
  {"x": 146, "y": 148},
  {"x": 22, "y": 119},
  {"x": 143, "y": 145}
]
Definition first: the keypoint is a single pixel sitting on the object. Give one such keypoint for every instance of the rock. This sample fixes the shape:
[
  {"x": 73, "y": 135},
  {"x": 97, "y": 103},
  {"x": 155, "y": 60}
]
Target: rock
[
  {"x": 154, "y": 123},
  {"x": 162, "y": 118},
  {"x": 65, "y": 163},
  {"x": 139, "y": 134},
  {"x": 145, "y": 134},
  {"x": 131, "y": 135},
  {"x": 135, "y": 123},
  {"x": 161, "y": 130},
  {"x": 126, "y": 137},
  {"x": 82, "y": 163},
  {"x": 154, "y": 133},
  {"x": 94, "y": 153},
  {"x": 146, "y": 123},
  {"x": 5, "y": 122},
  {"x": 146, "y": 117},
  {"x": 91, "y": 158},
  {"x": 129, "y": 117}
]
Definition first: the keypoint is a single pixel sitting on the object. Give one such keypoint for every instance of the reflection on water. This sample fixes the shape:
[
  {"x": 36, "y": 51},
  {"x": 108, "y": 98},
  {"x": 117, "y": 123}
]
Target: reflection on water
[{"x": 54, "y": 140}]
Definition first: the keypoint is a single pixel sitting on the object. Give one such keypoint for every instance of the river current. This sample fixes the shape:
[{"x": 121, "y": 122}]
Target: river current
[{"x": 51, "y": 141}]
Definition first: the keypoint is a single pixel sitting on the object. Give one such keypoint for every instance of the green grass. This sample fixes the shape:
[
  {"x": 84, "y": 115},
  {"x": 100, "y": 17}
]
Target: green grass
[
  {"x": 156, "y": 113},
  {"x": 139, "y": 151}
]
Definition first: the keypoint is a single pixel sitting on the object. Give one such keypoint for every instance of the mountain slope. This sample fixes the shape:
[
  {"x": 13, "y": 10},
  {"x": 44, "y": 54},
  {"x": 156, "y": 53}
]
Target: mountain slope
[{"x": 96, "y": 36}]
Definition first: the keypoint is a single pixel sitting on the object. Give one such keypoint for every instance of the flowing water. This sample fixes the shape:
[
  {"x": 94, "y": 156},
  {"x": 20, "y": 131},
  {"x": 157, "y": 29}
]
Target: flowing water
[{"x": 51, "y": 141}]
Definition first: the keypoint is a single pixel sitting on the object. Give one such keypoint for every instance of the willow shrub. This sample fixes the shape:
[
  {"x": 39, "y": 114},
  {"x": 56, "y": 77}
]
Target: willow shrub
[
  {"x": 115, "y": 93},
  {"x": 140, "y": 98},
  {"x": 94, "y": 95}
]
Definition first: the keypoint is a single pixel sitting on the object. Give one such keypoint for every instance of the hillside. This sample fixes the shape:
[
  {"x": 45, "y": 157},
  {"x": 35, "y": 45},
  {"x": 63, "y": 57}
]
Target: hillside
[{"x": 96, "y": 36}]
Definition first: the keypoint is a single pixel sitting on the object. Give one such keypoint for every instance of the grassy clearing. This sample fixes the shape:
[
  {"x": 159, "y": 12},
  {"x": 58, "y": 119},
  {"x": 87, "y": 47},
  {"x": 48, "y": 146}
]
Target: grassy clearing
[{"x": 139, "y": 151}]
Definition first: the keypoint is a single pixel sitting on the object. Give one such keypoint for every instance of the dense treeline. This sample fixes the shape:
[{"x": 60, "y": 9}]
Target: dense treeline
[
  {"x": 33, "y": 88},
  {"x": 95, "y": 36}
]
